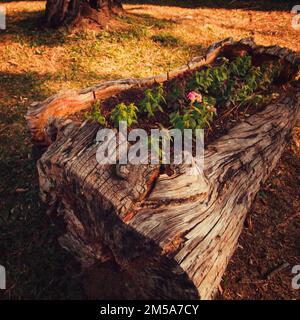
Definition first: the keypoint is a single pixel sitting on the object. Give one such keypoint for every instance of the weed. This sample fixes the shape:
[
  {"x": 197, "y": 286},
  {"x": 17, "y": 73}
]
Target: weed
[
  {"x": 95, "y": 114},
  {"x": 152, "y": 101},
  {"x": 236, "y": 81}
]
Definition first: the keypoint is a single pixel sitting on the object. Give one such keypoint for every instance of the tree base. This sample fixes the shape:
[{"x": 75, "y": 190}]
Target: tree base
[{"x": 66, "y": 12}]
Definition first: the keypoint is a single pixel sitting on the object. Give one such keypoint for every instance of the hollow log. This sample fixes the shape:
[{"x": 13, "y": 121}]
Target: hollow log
[{"x": 174, "y": 235}]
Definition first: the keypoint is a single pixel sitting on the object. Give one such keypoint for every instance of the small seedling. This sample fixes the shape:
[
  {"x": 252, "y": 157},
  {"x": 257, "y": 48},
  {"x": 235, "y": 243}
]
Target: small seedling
[
  {"x": 152, "y": 101},
  {"x": 96, "y": 114},
  {"x": 123, "y": 112}
]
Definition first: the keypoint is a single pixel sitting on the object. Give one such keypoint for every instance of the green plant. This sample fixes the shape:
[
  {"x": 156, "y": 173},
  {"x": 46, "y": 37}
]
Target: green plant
[
  {"x": 123, "y": 112},
  {"x": 253, "y": 78},
  {"x": 202, "y": 81},
  {"x": 270, "y": 72},
  {"x": 95, "y": 114},
  {"x": 152, "y": 101},
  {"x": 236, "y": 81},
  {"x": 155, "y": 146},
  {"x": 240, "y": 66},
  {"x": 197, "y": 116},
  {"x": 155, "y": 143},
  {"x": 257, "y": 78},
  {"x": 211, "y": 80},
  {"x": 175, "y": 96}
]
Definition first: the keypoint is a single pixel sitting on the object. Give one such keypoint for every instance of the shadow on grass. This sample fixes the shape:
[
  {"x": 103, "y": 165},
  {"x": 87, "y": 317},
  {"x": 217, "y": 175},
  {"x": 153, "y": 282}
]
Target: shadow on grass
[
  {"x": 147, "y": 20},
  {"x": 264, "y": 5},
  {"x": 27, "y": 84},
  {"x": 28, "y": 27},
  {"x": 37, "y": 267},
  {"x": 31, "y": 85}
]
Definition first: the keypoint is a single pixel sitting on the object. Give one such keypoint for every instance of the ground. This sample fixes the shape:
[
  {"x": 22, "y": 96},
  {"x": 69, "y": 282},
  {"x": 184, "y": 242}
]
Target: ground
[{"x": 149, "y": 39}]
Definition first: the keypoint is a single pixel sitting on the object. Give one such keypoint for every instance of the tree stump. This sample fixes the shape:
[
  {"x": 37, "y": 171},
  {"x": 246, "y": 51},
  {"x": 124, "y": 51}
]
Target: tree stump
[{"x": 174, "y": 235}]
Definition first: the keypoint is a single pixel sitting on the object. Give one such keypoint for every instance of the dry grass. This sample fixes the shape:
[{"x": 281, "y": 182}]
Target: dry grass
[
  {"x": 83, "y": 57},
  {"x": 35, "y": 63}
]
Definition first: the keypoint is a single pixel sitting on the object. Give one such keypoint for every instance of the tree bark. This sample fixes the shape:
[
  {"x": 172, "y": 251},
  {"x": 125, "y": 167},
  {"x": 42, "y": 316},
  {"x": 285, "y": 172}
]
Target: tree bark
[
  {"x": 65, "y": 12},
  {"x": 173, "y": 235}
]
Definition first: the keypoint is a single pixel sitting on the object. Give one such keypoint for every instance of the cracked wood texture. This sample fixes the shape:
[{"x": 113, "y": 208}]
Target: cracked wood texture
[{"x": 173, "y": 235}]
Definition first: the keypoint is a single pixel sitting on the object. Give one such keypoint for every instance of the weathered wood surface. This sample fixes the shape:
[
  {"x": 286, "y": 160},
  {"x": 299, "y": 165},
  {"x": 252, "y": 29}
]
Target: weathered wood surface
[{"x": 174, "y": 234}]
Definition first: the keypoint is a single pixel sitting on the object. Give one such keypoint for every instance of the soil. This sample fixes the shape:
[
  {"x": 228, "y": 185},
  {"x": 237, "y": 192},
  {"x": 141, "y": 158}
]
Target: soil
[{"x": 269, "y": 246}]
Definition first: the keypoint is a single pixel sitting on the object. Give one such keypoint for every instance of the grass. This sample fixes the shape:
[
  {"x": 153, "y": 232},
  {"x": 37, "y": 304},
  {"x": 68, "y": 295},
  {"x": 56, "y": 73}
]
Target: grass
[
  {"x": 166, "y": 39},
  {"x": 36, "y": 63}
]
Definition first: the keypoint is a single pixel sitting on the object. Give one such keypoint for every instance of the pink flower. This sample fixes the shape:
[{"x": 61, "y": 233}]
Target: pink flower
[{"x": 194, "y": 96}]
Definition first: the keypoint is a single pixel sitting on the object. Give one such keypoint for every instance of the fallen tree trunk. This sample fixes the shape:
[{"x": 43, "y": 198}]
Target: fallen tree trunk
[{"x": 173, "y": 235}]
